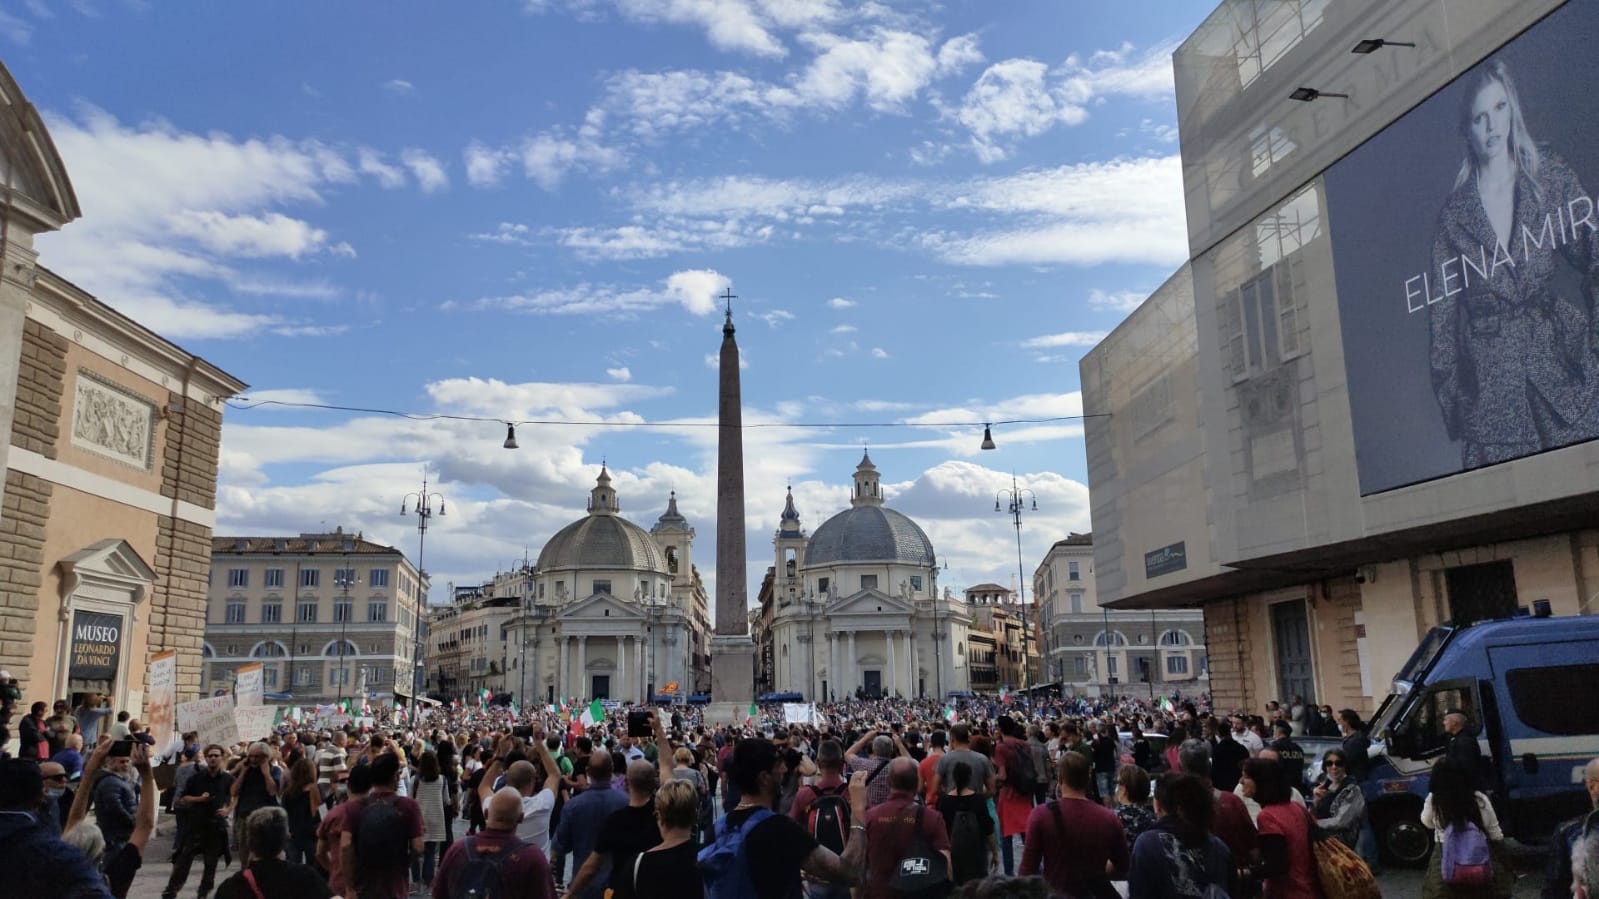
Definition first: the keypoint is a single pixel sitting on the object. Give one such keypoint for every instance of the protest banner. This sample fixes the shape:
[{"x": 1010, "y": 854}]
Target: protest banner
[
  {"x": 163, "y": 700},
  {"x": 799, "y": 713},
  {"x": 254, "y": 722},
  {"x": 248, "y": 686},
  {"x": 212, "y": 718}
]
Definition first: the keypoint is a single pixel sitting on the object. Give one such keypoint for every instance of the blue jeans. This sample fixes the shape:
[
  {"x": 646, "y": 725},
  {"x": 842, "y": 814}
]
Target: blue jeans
[{"x": 422, "y": 865}]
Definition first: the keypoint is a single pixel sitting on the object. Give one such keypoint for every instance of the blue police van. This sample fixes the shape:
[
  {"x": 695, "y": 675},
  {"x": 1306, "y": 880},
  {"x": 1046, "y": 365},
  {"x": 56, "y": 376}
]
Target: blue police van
[{"x": 1527, "y": 685}]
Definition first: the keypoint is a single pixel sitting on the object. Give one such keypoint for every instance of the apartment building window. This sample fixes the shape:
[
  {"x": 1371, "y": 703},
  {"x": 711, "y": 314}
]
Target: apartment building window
[
  {"x": 272, "y": 613},
  {"x": 341, "y": 611},
  {"x": 1072, "y": 572},
  {"x": 377, "y": 610},
  {"x": 868, "y": 582},
  {"x": 310, "y": 577},
  {"x": 1081, "y": 664},
  {"x": 304, "y": 676},
  {"x": 272, "y": 577},
  {"x": 338, "y": 677},
  {"x": 1076, "y": 597},
  {"x": 1177, "y": 664},
  {"x": 378, "y": 577},
  {"x": 235, "y": 613},
  {"x": 821, "y": 585},
  {"x": 1110, "y": 666},
  {"x": 238, "y": 577},
  {"x": 306, "y": 613},
  {"x": 269, "y": 676}
]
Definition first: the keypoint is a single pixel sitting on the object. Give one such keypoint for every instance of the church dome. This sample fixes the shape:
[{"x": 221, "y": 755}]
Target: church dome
[
  {"x": 869, "y": 531},
  {"x": 603, "y": 539}
]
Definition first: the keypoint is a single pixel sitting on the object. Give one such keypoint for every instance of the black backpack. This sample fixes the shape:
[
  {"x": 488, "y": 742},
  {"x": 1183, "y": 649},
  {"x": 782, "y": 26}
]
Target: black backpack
[
  {"x": 479, "y": 877},
  {"x": 921, "y": 872},
  {"x": 828, "y": 818},
  {"x": 1020, "y": 774},
  {"x": 967, "y": 848},
  {"x": 381, "y": 843}
]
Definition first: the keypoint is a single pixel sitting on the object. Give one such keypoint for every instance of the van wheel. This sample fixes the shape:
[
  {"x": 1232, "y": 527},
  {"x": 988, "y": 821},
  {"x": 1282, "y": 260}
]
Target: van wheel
[{"x": 1405, "y": 842}]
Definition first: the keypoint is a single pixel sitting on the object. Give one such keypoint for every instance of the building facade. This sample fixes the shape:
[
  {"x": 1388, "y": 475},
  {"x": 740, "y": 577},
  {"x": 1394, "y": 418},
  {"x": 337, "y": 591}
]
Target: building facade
[
  {"x": 855, "y": 609},
  {"x": 1366, "y": 406},
  {"x": 328, "y": 616},
  {"x": 995, "y": 640},
  {"x": 109, "y": 461},
  {"x": 1093, "y": 650},
  {"x": 468, "y": 647},
  {"x": 610, "y": 610}
]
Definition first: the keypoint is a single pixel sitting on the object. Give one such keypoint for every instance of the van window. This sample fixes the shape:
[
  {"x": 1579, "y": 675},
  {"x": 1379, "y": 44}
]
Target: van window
[
  {"x": 1541, "y": 698},
  {"x": 1427, "y": 715}
]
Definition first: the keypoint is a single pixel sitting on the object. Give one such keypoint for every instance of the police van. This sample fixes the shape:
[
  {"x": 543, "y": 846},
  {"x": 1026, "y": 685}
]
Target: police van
[{"x": 1527, "y": 687}]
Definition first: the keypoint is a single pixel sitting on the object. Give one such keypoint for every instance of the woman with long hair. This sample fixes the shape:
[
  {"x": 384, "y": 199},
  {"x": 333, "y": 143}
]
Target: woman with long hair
[
  {"x": 961, "y": 798},
  {"x": 1453, "y": 801},
  {"x": 302, "y": 800},
  {"x": 431, "y": 792},
  {"x": 1286, "y": 863},
  {"x": 1513, "y": 363},
  {"x": 1180, "y": 857}
]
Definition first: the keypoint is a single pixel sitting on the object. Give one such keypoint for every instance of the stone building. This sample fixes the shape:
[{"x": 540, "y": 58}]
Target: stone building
[
  {"x": 468, "y": 649},
  {"x": 610, "y": 610},
  {"x": 994, "y": 639},
  {"x": 329, "y": 616},
  {"x": 1331, "y": 429},
  {"x": 109, "y": 465},
  {"x": 1094, "y": 650},
  {"x": 854, "y": 608}
]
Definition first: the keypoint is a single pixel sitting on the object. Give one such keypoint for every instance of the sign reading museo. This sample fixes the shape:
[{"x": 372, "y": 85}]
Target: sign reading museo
[
  {"x": 1465, "y": 241},
  {"x": 96, "y": 644}
]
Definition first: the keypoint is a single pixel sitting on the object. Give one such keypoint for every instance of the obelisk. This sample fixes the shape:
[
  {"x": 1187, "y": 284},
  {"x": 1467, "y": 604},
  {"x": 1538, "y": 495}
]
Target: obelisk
[{"x": 732, "y": 650}]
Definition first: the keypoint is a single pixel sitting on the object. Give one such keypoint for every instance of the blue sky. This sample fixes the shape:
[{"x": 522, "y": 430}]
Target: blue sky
[{"x": 523, "y": 211}]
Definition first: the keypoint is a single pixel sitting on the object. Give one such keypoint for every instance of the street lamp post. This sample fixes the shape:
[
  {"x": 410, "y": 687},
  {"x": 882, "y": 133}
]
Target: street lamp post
[
  {"x": 343, "y": 580},
  {"x": 1016, "y": 497},
  {"x": 423, "y": 510}
]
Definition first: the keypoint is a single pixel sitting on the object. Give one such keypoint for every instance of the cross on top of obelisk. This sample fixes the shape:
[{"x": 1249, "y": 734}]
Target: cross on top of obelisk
[{"x": 729, "y": 296}]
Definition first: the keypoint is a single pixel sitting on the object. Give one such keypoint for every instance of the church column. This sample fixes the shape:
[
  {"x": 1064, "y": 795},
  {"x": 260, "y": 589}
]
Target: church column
[
  {"x": 623, "y": 688},
  {"x": 642, "y": 660},
  {"x": 584, "y": 684},
  {"x": 832, "y": 665},
  {"x": 891, "y": 676},
  {"x": 850, "y": 665},
  {"x": 563, "y": 674},
  {"x": 914, "y": 657}
]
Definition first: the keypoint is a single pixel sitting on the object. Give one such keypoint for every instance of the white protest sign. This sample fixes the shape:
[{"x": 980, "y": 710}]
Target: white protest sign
[
  {"x": 248, "y": 686},
  {"x": 163, "y": 700},
  {"x": 255, "y": 722},
  {"x": 212, "y": 718},
  {"x": 799, "y": 713}
]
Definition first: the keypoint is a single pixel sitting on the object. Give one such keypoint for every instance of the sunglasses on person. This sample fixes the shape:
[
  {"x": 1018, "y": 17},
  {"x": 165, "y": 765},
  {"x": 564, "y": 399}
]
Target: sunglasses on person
[
  {"x": 1333, "y": 763},
  {"x": 60, "y": 777}
]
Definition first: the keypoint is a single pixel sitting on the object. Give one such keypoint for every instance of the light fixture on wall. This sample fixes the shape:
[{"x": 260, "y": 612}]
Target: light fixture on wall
[
  {"x": 1373, "y": 44},
  {"x": 1307, "y": 94}
]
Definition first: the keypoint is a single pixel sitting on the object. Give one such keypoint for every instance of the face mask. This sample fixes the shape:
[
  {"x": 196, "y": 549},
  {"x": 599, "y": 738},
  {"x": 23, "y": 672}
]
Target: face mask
[
  {"x": 55, "y": 792},
  {"x": 342, "y": 791}
]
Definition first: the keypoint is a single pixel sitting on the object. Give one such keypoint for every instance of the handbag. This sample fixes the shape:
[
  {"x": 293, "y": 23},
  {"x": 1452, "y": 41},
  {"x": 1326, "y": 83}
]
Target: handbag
[{"x": 1340, "y": 871}]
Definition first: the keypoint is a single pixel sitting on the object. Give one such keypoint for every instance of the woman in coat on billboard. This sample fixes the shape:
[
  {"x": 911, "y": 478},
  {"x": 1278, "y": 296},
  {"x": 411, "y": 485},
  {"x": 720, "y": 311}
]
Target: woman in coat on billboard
[{"x": 1513, "y": 362}]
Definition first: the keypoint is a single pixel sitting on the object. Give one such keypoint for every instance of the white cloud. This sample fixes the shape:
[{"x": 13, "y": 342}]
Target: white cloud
[
  {"x": 879, "y": 353},
  {"x": 886, "y": 69},
  {"x": 776, "y": 317},
  {"x": 662, "y": 237},
  {"x": 695, "y": 290},
  {"x": 841, "y": 303},
  {"x": 506, "y": 232},
  {"x": 729, "y": 24},
  {"x": 398, "y": 86},
  {"x": 248, "y": 236},
  {"x": 619, "y": 374},
  {"x": 1067, "y": 338},
  {"x": 548, "y": 158},
  {"x": 485, "y": 166},
  {"x": 307, "y": 330},
  {"x": 844, "y": 329},
  {"x": 427, "y": 170},
  {"x": 370, "y": 162},
  {"x": 15, "y": 29},
  {"x": 1116, "y": 301}
]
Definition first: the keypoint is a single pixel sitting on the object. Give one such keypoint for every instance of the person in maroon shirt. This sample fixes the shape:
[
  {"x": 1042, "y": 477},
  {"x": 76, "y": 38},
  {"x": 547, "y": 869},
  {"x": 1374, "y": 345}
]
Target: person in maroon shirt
[
  {"x": 891, "y": 826},
  {"x": 1080, "y": 842},
  {"x": 362, "y": 883},
  {"x": 1233, "y": 824},
  {"x": 330, "y": 833},
  {"x": 524, "y": 871}
]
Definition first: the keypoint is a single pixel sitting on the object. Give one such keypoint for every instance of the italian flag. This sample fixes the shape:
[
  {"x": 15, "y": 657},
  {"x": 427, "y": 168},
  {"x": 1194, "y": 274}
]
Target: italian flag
[
  {"x": 593, "y": 715},
  {"x": 515, "y": 713},
  {"x": 483, "y": 697},
  {"x": 564, "y": 707},
  {"x": 1165, "y": 704},
  {"x": 1004, "y": 694},
  {"x": 753, "y": 716},
  {"x": 949, "y": 714}
]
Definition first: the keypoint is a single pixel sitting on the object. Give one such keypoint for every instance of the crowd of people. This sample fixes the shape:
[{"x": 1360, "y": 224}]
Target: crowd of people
[{"x": 990, "y": 796}]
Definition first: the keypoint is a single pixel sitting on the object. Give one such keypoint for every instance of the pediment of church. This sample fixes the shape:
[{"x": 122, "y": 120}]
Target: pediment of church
[
  {"x": 30, "y": 165},
  {"x": 871, "y": 601},
  {"x": 601, "y": 606}
]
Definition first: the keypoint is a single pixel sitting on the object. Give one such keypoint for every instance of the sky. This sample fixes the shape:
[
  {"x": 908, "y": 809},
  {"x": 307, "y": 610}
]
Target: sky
[{"x": 525, "y": 210}]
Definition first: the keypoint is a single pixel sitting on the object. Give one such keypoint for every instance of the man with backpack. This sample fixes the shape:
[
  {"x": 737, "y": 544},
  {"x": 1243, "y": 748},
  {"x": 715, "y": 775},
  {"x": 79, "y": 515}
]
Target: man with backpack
[
  {"x": 823, "y": 810},
  {"x": 908, "y": 850},
  {"x": 758, "y": 853},
  {"x": 381, "y": 832},
  {"x": 495, "y": 863},
  {"x": 1018, "y": 782}
]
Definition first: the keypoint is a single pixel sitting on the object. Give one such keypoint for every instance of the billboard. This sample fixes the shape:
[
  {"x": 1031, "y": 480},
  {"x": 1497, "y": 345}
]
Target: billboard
[{"x": 1466, "y": 246}]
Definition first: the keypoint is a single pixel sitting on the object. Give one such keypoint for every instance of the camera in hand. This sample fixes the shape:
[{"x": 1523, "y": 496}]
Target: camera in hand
[
  {"x": 122, "y": 749},
  {"x": 638, "y": 724},
  {"x": 525, "y": 731}
]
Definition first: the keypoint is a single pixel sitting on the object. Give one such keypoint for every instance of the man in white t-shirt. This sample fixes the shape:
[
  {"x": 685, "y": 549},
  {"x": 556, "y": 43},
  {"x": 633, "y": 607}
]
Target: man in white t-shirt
[
  {"x": 538, "y": 792},
  {"x": 1248, "y": 738}
]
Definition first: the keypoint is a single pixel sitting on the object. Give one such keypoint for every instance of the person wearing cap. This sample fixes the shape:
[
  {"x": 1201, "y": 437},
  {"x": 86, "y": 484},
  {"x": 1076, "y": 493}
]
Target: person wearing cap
[{"x": 36, "y": 862}]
